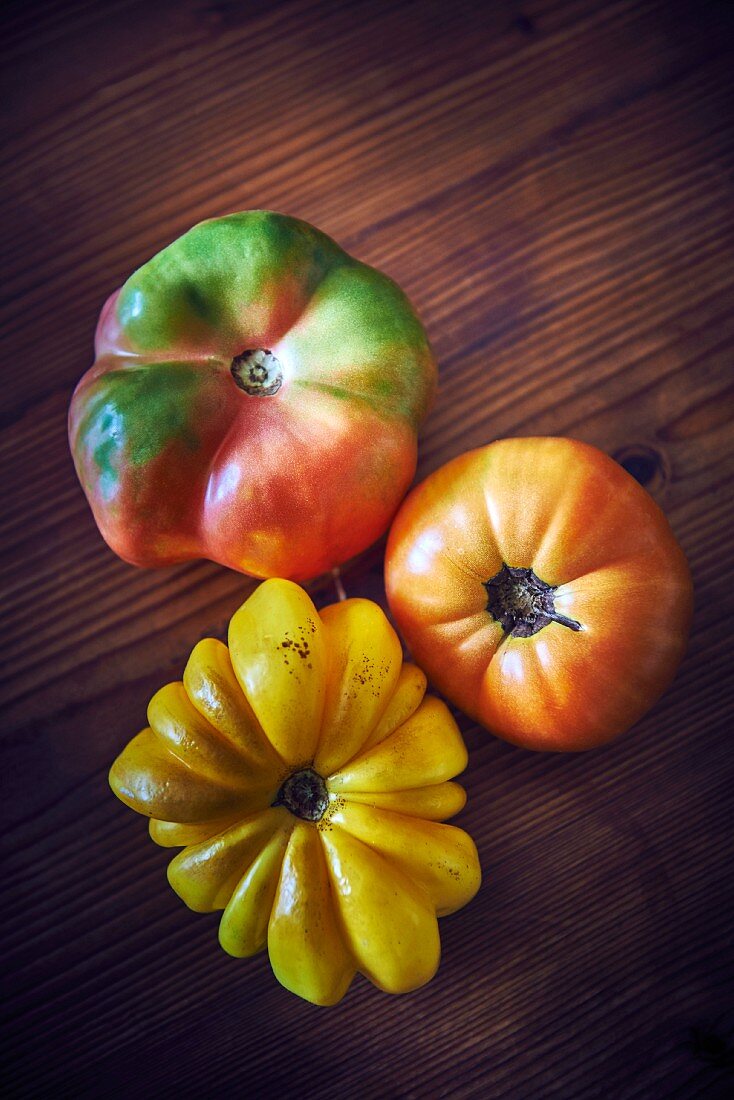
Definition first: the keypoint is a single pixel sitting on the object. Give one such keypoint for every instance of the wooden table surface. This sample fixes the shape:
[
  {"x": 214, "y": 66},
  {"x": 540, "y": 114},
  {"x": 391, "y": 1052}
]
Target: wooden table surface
[{"x": 551, "y": 182}]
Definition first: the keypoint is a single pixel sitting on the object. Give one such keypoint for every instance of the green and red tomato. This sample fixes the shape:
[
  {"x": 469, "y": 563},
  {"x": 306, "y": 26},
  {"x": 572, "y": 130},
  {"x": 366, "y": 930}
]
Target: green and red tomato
[{"x": 255, "y": 400}]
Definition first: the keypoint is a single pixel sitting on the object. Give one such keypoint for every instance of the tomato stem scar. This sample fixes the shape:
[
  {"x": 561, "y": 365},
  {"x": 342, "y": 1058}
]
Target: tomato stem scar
[
  {"x": 257, "y": 372},
  {"x": 304, "y": 794},
  {"x": 522, "y": 603}
]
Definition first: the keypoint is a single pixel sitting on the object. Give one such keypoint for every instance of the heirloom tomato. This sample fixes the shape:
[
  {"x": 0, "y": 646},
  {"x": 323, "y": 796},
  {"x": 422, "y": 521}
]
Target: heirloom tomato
[
  {"x": 542, "y": 590},
  {"x": 307, "y": 778},
  {"x": 255, "y": 400}
]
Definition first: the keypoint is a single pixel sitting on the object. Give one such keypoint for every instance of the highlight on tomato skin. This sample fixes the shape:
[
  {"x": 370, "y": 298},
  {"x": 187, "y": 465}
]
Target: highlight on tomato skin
[
  {"x": 542, "y": 590},
  {"x": 307, "y": 779},
  {"x": 255, "y": 399}
]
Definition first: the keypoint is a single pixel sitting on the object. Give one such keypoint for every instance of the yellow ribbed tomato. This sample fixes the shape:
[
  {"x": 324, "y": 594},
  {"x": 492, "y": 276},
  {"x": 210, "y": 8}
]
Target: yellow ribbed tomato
[{"x": 306, "y": 778}]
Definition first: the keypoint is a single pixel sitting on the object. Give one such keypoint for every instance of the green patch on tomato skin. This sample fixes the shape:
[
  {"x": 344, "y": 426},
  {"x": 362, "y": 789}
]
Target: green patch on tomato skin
[
  {"x": 254, "y": 278},
  {"x": 380, "y": 403},
  {"x": 133, "y": 414},
  {"x": 226, "y": 277},
  {"x": 360, "y": 338}
]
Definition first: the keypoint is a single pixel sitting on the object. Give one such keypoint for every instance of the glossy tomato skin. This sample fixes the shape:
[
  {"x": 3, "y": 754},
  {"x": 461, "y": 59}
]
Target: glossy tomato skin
[
  {"x": 178, "y": 461},
  {"x": 307, "y": 779},
  {"x": 573, "y": 516}
]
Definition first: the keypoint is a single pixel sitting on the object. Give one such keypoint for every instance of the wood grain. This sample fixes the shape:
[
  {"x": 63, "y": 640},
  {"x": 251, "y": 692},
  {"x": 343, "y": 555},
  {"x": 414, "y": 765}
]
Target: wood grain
[{"x": 551, "y": 182}]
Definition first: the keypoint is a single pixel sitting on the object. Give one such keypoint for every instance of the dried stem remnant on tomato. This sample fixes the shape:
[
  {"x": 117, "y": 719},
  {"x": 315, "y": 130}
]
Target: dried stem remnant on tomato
[
  {"x": 257, "y": 372},
  {"x": 522, "y": 603},
  {"x": 304, "y": 794}
]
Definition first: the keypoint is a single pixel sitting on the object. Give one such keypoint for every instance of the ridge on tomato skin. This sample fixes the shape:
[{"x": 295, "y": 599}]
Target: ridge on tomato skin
[
  {"x": 255, "y": 400},
  {"x": 307, "y": 778},
  {"x": 541, "y": 589}
]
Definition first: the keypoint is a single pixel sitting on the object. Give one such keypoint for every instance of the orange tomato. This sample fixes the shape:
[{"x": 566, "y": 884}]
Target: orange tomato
[{"x": 542, "y": 590}]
